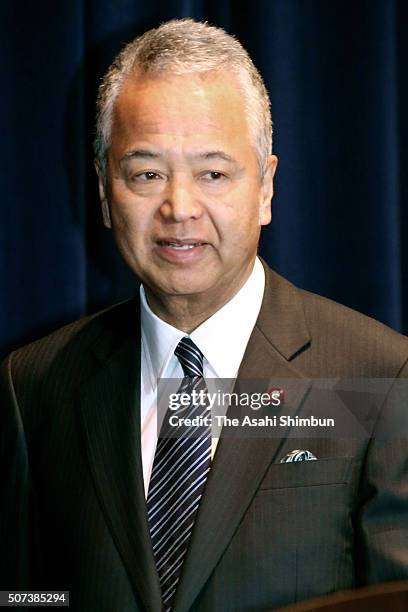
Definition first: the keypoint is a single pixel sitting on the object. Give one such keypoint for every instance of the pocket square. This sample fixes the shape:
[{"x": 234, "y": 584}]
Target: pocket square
[{"x": 298, "y": 455}]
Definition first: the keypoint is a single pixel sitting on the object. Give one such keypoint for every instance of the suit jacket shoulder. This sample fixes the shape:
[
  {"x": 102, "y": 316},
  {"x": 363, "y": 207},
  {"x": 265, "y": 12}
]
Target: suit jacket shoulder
[
  {"x": 370, "y": 347},
  {"x": 325, "y": 338},
  {"x": 62, "y": 360}
]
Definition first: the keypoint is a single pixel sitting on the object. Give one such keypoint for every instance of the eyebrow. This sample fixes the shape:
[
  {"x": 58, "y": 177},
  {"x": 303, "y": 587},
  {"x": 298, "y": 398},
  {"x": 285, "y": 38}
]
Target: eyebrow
[
  {"x": 214, "y": 155},
  {"x": 139, "y": 154},
  {"x": 146, "y": 154}
]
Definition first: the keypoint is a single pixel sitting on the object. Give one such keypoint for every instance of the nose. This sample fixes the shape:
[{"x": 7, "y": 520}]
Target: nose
[{"x": 180, "y": 201}]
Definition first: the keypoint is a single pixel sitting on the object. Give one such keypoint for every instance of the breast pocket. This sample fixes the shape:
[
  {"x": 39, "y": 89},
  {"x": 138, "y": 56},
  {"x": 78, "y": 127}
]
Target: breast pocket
[{"x": 337, "y": 470}]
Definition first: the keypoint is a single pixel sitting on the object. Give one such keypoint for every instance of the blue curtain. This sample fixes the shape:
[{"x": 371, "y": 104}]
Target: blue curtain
[{"x": 336, "y": 72}]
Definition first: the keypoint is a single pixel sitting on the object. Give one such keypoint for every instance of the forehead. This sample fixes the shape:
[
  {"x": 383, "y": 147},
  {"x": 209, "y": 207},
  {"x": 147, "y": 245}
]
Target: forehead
[{"x": 189, "y": 106}]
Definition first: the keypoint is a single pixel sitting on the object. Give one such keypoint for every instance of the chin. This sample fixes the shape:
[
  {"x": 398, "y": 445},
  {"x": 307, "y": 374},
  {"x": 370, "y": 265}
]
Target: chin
[
  {"x": 185, "y": 286},
  {"x": 184, "y": 289}
]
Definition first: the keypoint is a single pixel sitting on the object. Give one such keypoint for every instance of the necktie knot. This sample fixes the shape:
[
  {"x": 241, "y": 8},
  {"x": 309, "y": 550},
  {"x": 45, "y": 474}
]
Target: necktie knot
[{"x": 190, "y": 357}]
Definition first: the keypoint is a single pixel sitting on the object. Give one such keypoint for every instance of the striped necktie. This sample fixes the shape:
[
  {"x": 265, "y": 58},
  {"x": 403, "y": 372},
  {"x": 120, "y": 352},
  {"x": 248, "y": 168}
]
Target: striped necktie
[{"x": 180, "y": 468}]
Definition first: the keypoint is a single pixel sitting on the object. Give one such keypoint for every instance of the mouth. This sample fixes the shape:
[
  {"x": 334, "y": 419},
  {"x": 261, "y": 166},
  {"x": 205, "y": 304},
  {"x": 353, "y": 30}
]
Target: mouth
[
  {"x": 181, "y": 245},
  {"x": 183, "y": 252}
]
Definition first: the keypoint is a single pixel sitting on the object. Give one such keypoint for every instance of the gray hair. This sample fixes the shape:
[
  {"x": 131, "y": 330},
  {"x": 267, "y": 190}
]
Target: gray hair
[{"x": 183, "y": 46}]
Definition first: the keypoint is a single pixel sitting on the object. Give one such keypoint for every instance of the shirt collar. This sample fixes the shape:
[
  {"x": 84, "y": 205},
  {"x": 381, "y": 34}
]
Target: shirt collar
[
  {"x": 159, "y": 338},
  {"x": 222, "y": 338}
]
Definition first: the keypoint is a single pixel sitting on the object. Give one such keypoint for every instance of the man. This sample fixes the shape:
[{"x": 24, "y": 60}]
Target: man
[{"x": 183, "y": 156}]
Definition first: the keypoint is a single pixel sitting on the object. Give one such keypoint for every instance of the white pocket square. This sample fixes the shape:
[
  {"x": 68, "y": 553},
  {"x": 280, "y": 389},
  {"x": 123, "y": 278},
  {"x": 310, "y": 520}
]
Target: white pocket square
[{"x": 298, "y": 455}]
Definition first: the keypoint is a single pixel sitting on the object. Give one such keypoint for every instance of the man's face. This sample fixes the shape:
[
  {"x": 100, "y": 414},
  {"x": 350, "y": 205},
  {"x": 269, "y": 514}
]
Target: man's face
[{"x": 183, "y": 188}]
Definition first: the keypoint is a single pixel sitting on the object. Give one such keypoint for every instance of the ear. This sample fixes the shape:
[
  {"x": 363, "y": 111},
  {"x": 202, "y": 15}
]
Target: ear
[
  {"x": 266, "y": 193},
  {"x": 102, "y": 195}
]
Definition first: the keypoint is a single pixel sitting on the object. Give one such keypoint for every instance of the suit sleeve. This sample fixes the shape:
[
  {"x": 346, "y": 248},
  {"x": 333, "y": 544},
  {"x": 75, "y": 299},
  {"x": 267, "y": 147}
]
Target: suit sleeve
[
  {"x": 382, "y": 520},
  {"x": 15, "y": 485}
]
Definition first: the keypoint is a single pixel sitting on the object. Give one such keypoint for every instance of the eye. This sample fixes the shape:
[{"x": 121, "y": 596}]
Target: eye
[
  {"x": 213, "y": 176},
  {"x": 145, "y": 177}
]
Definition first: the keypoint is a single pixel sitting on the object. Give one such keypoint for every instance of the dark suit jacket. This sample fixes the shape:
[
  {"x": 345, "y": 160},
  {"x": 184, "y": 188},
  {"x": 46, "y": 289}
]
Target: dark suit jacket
[{"x": 267, "y": 534}]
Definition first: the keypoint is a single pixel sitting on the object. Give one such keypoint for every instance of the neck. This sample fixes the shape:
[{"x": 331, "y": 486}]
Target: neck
[{"x": 187, "y": 312}]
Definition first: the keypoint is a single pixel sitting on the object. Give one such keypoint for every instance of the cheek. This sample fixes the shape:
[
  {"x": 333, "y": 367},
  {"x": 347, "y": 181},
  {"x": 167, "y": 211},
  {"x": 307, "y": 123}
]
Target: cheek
[
  {"x": 238, "y": 218},
  {"x": 129, "y": 216}
]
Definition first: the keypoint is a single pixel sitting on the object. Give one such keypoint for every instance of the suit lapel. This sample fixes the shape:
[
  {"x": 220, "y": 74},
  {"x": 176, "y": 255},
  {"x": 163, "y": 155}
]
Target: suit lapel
[
  {"x": 240, "y": 463},
  {"x": 110, "y": 409}
]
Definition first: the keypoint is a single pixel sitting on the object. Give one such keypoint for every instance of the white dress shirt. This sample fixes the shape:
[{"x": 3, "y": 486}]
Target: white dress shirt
[{"x": 222, "y": 339}]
